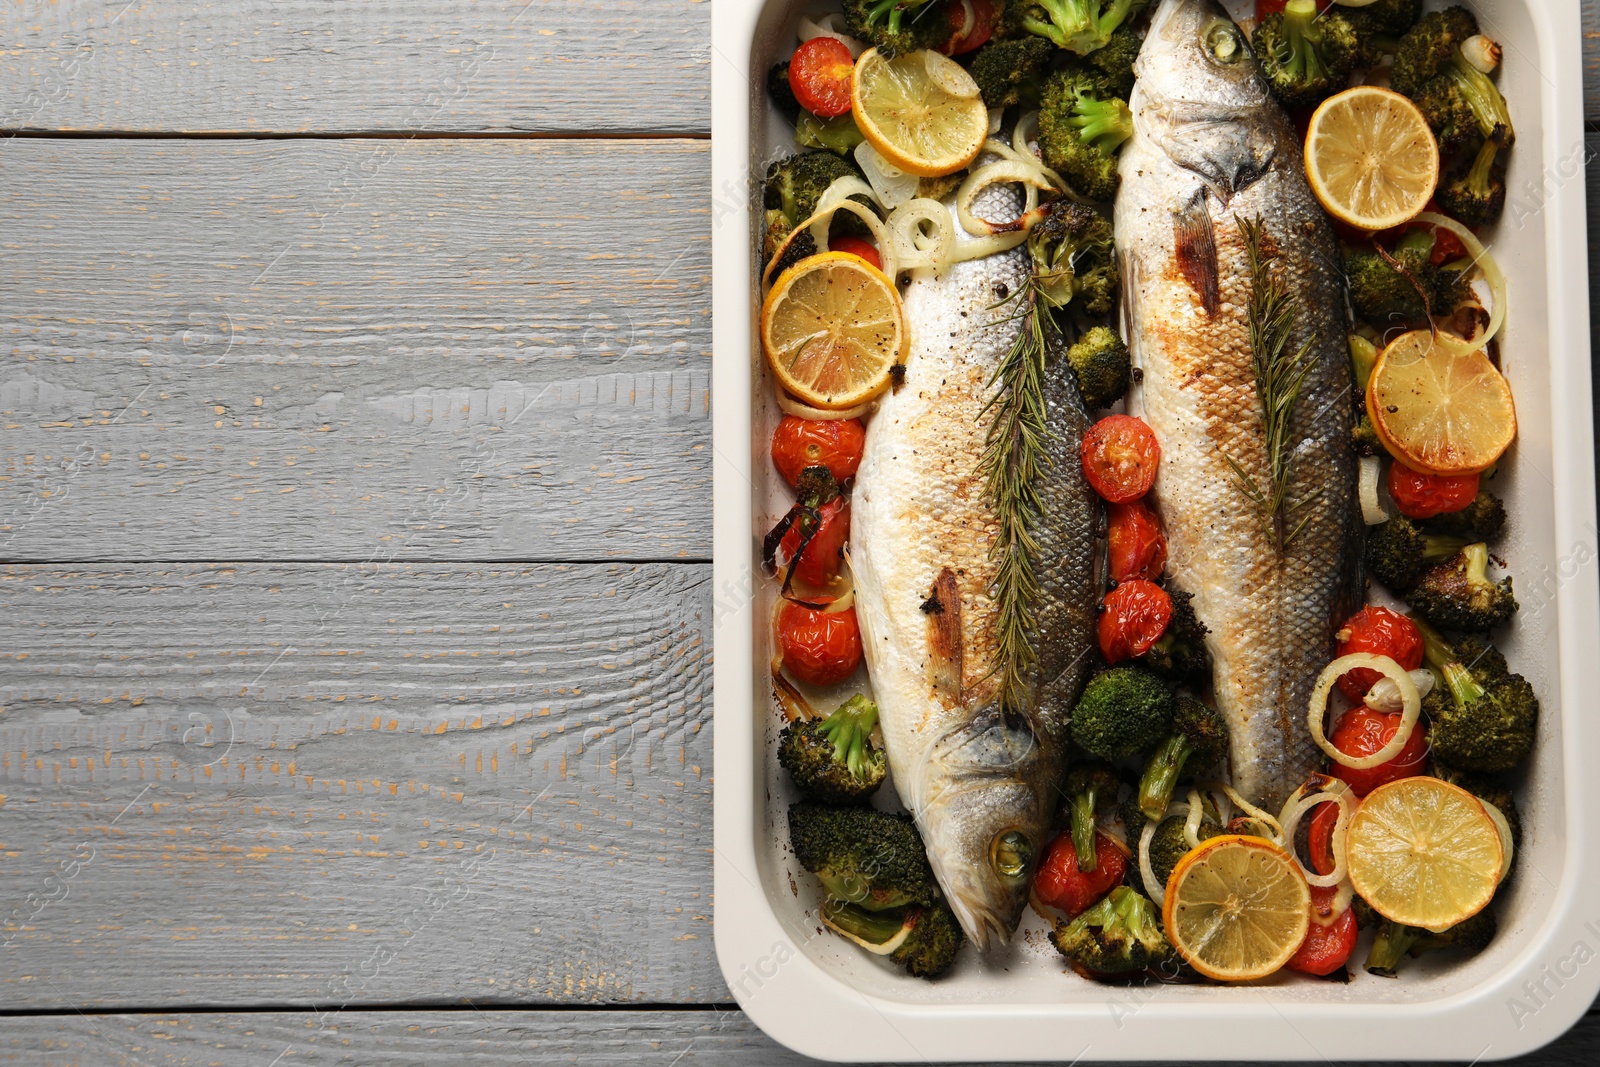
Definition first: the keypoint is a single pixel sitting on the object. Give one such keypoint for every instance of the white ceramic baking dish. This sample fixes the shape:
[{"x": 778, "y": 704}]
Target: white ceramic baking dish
[{"x": 821, "y": 996}]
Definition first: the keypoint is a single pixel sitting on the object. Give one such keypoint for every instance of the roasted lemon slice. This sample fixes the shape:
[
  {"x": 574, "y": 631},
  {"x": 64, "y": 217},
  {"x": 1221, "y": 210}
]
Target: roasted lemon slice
[
  {"x": 832, "y": 326},
  {"x": 1237, "y": 908},
  {"x": 920, "y": 110},
  {"x": 1371, "y": 159},
  {"x": 1439, "y": 411}
]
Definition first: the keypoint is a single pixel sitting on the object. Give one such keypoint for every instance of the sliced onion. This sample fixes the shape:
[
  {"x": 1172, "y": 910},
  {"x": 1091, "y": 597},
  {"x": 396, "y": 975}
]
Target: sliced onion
[
  {"x": 1373, "y": 512},
  {"x": 829, "y": 25},
  {"x": 884, "y": 949},
  {"x": 918, "y": 251},
  {"x": 1385, "y": 695},
  {"x": 1411, "y": 706},
  {"x": 1507, "y": 846},
  {"x": 1003, "y": 171},
  {"x": 791, "y": 406},
  {"x": 949, "y": 75},
  {"x": 794, "y": 704},
  {"x": 892, "y": 185},
  {"x": 987, "y": 246},
  {"x": 834, "y": 199},
  {"x": 1482, "y": 52},
  {"x": 1491, "y": 271},
  {"x": 1191, "y": 825},
  {"x": 1247, "y": 808},
  {"x": 996, "y": 117},
  {"x": 1329, "y": 790},
  {"x": 1154, "y": 890}
]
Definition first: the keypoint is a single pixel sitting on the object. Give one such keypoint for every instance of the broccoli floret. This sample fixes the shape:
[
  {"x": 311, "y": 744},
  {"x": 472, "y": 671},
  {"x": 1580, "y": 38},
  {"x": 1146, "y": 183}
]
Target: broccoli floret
[
  {"x": 1365, "y": 436},
  {"x": 862, "y": 856},
  {"x": 1120, "y": 934},
  {"x": 790, "y": 194},
  {"x": 1482, "y": 718},
  {"x": 1079, "y": 26},
  {"x": 1101, "y": 364},
  {"x": 1459, "y": 595},
  {"x": 1482, "y": 520},
  {"x": 1463, "y": 106},
  {"x": 923, "y": 939},
  {"x": 1082, "y": 124},
  {"x": 1180, "y": 654},
  {"x": 1170, "y": 843},
  {"x": 1122, "y": 712},
  {"x": 781, "y": 92},
  {"x": 838, "y": 135},
  {"x": 1382, "y": 292},
  {"x": 1394, "y": 942},
  {"x": 1012, "y": 72},
  {"x": 1088, "y": 785},
  {"x": 1305, "y": 56},
  {"x": 896, "y": 26},
  {"x": 1399, "y": 551},
  {"x": 1429, "y": 47},
  {"x": 834, "y": 760},
  {"x": 1363, "y": 357},
  {"x": 1114, "y": 62},
  {"x": 1074, "y": 261},
  {"x": 1392, "y": 17},
  {"x": 1199, "y": 739},
  {"x": 1475, "y": 189}
]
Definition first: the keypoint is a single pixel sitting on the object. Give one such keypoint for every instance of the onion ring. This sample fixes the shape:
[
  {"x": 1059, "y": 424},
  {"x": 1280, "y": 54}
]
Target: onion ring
[
  {"x": 1373, "y": 512},
  {"x": 1491, "y": 272},
  {"x": 1411, "y": 707},
  {"x": 791, "y": 406}
]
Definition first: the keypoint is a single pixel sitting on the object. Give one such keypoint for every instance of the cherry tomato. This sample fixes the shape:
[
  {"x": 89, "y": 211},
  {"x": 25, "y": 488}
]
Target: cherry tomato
[
  {"x": 819, "y": 75},
  {"x": 1326, "y": 948},
  {"x": 819, "y": 563},
  {"x": 819, "y": 648},
  {"x": 1383, "y": 633},
  {"x": 1361, "y": 732},
  {"x": 1135, "y": 616},
  {"x": 1120, "y": 456},
  {"x": 1059, "y": 883},
  {"x": 801, "y": 443},
  {"x": 1138, "y": 547},
  {"x": 965, "y": 37},
  {"x": 1320, "y": 843},
  {"x": 856, "y": 246},
  {"x": 1422, "y": 496},
  {"x": 1274, "y": 7}
]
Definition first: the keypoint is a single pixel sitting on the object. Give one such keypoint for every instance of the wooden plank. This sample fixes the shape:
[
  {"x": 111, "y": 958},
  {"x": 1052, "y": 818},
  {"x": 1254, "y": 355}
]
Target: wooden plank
[
  {"x": 487, "y": 1038},
  {"x": 354, "y": 350},
  {"x": 343, "y": 785},
  {"x": 265, "y": 66}
]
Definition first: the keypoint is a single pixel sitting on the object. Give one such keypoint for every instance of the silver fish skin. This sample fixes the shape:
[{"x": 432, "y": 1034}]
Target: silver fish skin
[
  {"x": 919, "y": 551},
  {"x": 1210, "y": 148}
]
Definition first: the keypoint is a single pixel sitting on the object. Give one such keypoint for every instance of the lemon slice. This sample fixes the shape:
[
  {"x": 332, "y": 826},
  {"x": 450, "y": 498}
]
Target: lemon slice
[
  {"x": 1371, "y": 159},
  {"x": 832, "y": 326},
  {"x": 920, "y": 110},
  {"x": 1439, "y": 411},
  {"x": 1237, "y": 908},
  {"x": 1424, "y": 853}
]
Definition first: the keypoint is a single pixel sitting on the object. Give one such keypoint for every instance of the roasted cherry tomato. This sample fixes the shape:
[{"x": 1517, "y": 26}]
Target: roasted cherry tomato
[
  {"x": 1138, "y": 547},
  {"x": 1361, "y": 732},
  {"x": 1059, "y": 883},
  {"x": 1326, "y": 948},
  {"x": 819, "y": 648},
  {"x": 1275, "y": 7},
  {"x": 1120, "y": 456},
  {"x": 1320, "y": 840},
  {"x": 801, "y": 443},
  {"x": 971, "y": 25},
  {"x": 819, "y": 563},
  {"x": 856, "y": 246},
  {"x": 1135, "y": 616},
  {"x": 819, "y": 75},
  {"x": 1422, "y": 496},
  {"x": 1383, "y": 633}
]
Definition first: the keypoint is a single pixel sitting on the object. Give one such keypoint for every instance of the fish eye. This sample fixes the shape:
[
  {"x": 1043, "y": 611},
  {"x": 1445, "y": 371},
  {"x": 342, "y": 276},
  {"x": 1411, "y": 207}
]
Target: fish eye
[
  {"x": 1011, "y": 854},
  {"x": 1224, "y": 42}
]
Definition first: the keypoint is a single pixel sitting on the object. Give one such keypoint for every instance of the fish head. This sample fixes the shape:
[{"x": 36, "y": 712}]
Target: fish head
[
  {"x": 1201, "y": 99},
  {"x": 982, "y": 814}
]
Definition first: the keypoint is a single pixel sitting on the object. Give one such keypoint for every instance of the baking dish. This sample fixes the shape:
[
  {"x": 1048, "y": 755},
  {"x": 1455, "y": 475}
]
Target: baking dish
[{"x": 819, "y": 995}]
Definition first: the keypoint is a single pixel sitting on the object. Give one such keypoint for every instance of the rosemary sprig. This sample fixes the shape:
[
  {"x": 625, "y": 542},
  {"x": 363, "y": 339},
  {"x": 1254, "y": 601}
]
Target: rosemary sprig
[
  {"x": 1281, "y": 374},
  {"x": 1013, "y": 460}
]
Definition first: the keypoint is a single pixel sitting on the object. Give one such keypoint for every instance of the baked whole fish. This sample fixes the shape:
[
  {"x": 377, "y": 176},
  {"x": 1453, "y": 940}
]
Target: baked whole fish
[
  {"x": 1211, "y": 151},
  {"x": 981, "y": 783}
]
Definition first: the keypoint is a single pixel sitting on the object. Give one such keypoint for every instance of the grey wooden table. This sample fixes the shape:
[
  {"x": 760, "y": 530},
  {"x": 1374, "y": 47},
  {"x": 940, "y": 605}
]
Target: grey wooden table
[{"x": 356, "y": 629}]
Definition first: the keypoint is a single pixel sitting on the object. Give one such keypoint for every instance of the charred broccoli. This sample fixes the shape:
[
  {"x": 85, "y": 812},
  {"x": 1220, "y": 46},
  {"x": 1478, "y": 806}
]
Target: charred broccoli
[
  {"x": 782, "y": 94},
  {"x": 790, "y": 194},
  {"x": 1115, "y": 60},
  {"x": 1429, "y": 47},
  {"x": 1463, "y": 106},
  {"x": 1082, "y": 124},
  {"x": 1012, "y": 72},
  {"x": 1080, "y": 26},
  {"x": 1482, "y": 718},
  {"x": 1381, "y": 24},
  {"x": 1482, "y": 520},
  {"x": 1399, "y": 551},
  {"x": 1394, "y": 942},
  {"x": 1101, "y": 364},
  {"x": 834, "y": 760},
  {"x": 866, "y": 857},
  {"x": 1305, "y": 56},
  {"x": 923, "y": 939},
  {"x": 1474, "y": 191},
  {"x": 1170, "y": 843},
  {"x": 1365, "y": 436},
  {"x": 1382, "y": 291},
  {"x": 1120, "y": 934},
  {"x": 1088, "y": 785},
  {"x": 1199, "y": 739},
  {"x": 896, "y": 26},
  {"x": 1458, "y": 594},
  {"x": 1073, "y": 258},
  {"x": 1122, "y": 712},
  {"x": 1180, "y": 654}
]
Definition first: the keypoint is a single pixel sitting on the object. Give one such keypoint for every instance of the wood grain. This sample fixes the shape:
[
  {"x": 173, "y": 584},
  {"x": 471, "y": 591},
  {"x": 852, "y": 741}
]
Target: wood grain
[
  {"x": 268, "y": 66},
  {"x": 354, "y": 350},
  {"x": 343, "y": 785},
  {"x": 489, "y": 1038}
]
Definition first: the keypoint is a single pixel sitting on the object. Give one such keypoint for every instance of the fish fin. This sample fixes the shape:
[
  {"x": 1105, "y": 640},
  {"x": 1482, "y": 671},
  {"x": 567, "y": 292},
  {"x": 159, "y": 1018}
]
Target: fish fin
[
  {"x": 943, "y": 609},
  {"x": 1196, "y": 246}
]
